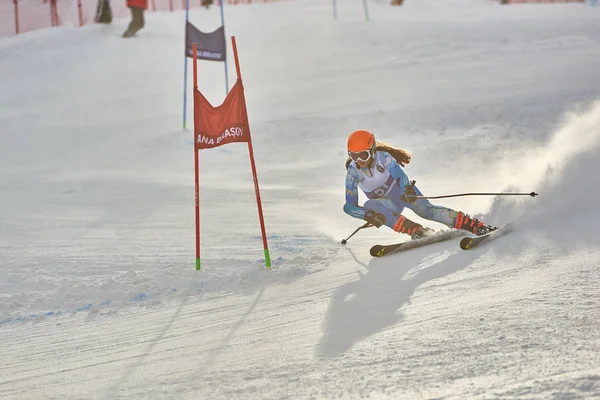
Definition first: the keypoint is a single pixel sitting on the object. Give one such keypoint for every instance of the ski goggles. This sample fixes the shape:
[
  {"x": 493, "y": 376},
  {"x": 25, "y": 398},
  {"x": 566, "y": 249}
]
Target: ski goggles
[{"x": 363, "y": 155}]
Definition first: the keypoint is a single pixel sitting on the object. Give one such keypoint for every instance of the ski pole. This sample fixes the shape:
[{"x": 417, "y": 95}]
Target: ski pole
[
  {"x": 366, "y": 225},
  {"x": 532, "y": 194}
]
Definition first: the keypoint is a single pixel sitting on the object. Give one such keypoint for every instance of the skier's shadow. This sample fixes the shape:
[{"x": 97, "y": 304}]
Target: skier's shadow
[{"x": 373, "y": 303}]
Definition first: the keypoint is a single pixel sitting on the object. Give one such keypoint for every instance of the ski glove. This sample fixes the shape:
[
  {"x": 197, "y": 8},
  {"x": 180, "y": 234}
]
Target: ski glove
[
  {"x": 374, "y": 218},
  {"x": 410, "y": 194}
]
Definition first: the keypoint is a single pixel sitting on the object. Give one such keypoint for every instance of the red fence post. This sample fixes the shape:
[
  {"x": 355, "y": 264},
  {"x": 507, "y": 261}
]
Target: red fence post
[
  {"x": 16, "y": 16},
  {"x": 53, "y": 14},
  {"x": 79, "y": 8}
]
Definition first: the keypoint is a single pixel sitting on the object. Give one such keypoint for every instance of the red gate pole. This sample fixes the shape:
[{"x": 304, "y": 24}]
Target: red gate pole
[
  {"x": 196, "y": 166},
  {"x": 251, "y": 152}
]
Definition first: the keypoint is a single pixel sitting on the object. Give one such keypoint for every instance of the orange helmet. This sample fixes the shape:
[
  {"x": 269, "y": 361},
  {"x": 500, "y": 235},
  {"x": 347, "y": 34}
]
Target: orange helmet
[{"x": 360, "y": 140}]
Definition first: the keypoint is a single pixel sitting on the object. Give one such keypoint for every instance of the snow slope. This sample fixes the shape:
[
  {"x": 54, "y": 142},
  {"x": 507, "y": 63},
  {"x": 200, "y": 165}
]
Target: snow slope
[{"x": 99, "y": 297}]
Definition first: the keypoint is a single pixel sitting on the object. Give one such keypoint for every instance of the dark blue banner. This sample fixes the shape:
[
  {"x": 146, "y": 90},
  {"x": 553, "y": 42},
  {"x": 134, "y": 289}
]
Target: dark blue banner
[{"x": 210, "y": 46}]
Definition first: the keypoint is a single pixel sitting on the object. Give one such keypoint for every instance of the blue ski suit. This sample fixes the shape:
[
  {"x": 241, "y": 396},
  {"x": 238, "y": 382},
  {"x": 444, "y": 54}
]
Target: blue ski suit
[{"x": 383, "y": 182}]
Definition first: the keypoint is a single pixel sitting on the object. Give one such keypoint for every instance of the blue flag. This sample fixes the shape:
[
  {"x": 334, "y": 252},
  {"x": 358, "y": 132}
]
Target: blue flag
[{"x": 210, "y": 46}]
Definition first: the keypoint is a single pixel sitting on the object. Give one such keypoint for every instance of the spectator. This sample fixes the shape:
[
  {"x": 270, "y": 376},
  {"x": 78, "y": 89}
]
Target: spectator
[
  {"x": 103, "y": 12},
  {"x": 137, "y": 16}
]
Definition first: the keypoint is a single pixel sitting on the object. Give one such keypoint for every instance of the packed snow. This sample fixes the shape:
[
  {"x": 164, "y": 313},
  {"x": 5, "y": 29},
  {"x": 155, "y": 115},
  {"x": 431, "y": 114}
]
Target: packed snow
[{"x": 99, "y": 296}]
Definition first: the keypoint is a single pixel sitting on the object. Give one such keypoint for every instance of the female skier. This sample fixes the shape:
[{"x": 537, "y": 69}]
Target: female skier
[{"x": 375, "y": 168}]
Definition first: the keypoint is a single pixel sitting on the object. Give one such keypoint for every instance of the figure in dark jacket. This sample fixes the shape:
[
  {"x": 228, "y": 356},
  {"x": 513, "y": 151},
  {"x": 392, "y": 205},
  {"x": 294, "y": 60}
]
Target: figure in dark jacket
[{"x": 137, "y": 16}]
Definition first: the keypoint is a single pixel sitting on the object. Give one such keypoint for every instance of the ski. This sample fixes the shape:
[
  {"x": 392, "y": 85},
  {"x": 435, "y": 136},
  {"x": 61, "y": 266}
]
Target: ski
[
  {"x": 469, "y": 243},
  {"x": 380, "y": 250}
]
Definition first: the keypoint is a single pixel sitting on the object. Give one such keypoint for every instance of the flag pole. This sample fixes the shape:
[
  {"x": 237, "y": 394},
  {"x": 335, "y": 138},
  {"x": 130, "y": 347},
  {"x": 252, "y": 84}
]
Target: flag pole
[
  {"x": 366, "y": 10},
  {"x": 334, "y": 3},
  {"x": 225, "y": 62},
  {"x": 196, "y": 165},
  {"x": 251, "y": 152},
  {"x": 185, "y": 63}
]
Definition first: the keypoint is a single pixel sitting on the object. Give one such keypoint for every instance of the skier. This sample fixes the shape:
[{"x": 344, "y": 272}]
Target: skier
[{"x": 375, "y": 168}]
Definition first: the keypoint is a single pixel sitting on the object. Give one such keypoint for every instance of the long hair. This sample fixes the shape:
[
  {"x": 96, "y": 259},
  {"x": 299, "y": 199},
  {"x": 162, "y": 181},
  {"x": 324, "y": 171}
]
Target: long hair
[{"x": 401, "y": 156}]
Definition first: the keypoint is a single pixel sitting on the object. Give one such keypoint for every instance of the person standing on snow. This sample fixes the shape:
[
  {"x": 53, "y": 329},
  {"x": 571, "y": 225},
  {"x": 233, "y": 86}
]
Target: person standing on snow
[
  {"x": 137, "y": 16},
  {"x": 375, "y": 168},
  {"x": 103, "y": 12}
]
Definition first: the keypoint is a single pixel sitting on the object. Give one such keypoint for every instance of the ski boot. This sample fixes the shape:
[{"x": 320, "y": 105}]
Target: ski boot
[
  {"x": 416, "y": 231},
  {"x": 473, "y": 225}
]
